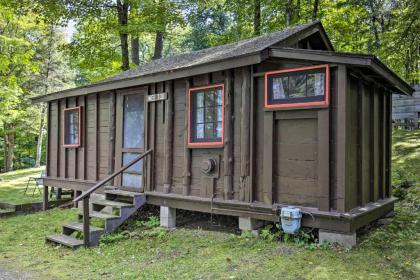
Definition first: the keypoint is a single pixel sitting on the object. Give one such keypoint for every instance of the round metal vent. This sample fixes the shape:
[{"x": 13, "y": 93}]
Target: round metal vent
[{"x": 208, "y": 165}]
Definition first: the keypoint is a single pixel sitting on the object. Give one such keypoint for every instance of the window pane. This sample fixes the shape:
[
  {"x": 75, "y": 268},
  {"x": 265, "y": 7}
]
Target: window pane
[
  {"x": 209, "y": 130},
  {"x": 219, "y": 130},
  {"x": 200, "y": 99},
  {"x": 280, "y": 88},
  {"x": 319, "y": 84},
  {"x": 137, "y": 167},
  {"x": 200, "y": 115},
  {"x": 72, "y": 127},
  {"x": 310, "y": 82},
  {"x": 219, "y": 97},
  {"x": 134, "y": 121},
  {"x": 209, "y": 114},
  {"x": 315, "y": 84},
  {"x": 132, "y": 180},
  {"x": 219, "y": 113},
  {"x": 209, "y": 98},
  {"x": 297, "y": 86},
  {"x": 199, "y": 134}
]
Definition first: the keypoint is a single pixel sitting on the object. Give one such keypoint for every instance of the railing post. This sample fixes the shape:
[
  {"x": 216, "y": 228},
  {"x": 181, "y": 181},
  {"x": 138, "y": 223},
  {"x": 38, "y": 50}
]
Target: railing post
[{"x": 86, "y": 226}]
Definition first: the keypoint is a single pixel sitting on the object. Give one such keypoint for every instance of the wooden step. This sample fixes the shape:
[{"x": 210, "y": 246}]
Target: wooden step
[
  {"x": 112, "y": 203},
  {"x": 123, "y": 193},
  {"x": 79, "y": 227},
  {"x": 99, "y": 215},
  {"x": 65, "y": 240}
]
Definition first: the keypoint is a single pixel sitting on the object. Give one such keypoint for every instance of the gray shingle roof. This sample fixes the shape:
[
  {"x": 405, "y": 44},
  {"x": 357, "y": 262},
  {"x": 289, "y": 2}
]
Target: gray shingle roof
[{"x": 214, "y": 54}]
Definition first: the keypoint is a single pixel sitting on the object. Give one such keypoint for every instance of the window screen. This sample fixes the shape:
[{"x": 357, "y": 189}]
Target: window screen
[
  {"x": 72, "y": 127},
  {"x": 206, "y": 115},
  {"x": 302, "y": 86}
]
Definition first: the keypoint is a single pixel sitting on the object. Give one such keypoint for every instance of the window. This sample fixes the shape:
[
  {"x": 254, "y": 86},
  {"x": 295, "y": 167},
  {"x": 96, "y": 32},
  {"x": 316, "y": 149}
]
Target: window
[
  {"x": 300, "y": 87},
  {"x": 205, "y": 119},
  {"x": 72, "y": 124}
]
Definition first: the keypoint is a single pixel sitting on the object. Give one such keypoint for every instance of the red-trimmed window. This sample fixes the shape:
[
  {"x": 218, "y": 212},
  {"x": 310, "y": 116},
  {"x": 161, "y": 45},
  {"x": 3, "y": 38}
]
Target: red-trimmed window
[
  {"x": 205, "y": 115},
  {"x": 299, "y": 87},
  {"x": 72, "y": 127}
]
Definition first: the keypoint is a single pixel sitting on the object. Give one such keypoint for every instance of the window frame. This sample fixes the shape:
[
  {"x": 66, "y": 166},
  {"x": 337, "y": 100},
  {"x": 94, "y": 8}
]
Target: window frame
[
  {"x": 205, "y": 144},
  {"x": 77, "y": 109},
  {"x": 301, "y": 104}
]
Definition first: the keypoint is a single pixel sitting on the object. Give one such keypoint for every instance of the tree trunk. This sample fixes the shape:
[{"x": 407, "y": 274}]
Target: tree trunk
[
  {"x": 298, "y": 10},
  {"x": 9, "y": 147},
  {"x": 158, "y": 45},
  {"x": 43, "y": 108},
  {"x": 122, "y": 9},
  {"x": 373, "y": 20},
  {"x": 135, "y": 50},
  {"x": 40, "y": 137},
  {"x": 289, "y": 12},
  {"x": 315, "y": 10},
  {"x": 257, "y": 17}
]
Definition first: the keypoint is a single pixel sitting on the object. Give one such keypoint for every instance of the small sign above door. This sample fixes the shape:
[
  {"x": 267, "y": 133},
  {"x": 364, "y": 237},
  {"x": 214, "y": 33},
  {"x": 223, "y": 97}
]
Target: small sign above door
[{"x": 157, "y": 97}]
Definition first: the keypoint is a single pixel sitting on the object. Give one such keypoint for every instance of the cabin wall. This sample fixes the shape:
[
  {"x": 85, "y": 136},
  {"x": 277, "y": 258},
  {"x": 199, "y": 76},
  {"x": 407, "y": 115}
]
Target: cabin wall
[
  {"x": 368, "y": 142},
  {"x": 90, "y": 161},
  {"x": 325, "y": 158}
]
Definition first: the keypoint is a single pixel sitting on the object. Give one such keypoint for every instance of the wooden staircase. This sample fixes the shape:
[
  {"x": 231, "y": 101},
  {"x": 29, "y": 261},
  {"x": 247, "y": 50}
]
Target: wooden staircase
[
  {"x": 111, "y": 212},
  {"x": 117, "y": 206}
]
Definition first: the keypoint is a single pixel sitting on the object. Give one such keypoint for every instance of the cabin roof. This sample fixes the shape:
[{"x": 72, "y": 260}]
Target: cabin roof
[
  {"x": 238, "y": 54},
  {"x": 209, "y": 55}
]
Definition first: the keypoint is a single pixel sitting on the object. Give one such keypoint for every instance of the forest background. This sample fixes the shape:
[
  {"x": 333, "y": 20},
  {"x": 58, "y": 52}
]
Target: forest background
[{"x": 111, "y": 36}]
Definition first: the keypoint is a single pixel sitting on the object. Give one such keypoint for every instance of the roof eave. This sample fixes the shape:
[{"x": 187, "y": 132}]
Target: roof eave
[
  {"x": 249, "y": 59},
  {"x": 357, "y": 60}
]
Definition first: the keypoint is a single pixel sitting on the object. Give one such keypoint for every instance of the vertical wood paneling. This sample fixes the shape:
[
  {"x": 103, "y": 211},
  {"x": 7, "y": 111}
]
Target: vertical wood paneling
[
  {"x": 169, "y": 127},
  {"x": 53, "y": 138},
  {"x": 151, "y": 137},
  {"x": 91, "y": 137},
  {"x": 323, "y": 161},
  {"x": 340, "y": 137},
  {"x": 187, "y": 152},
  {"x": 251, "y": 184},
  {"x": 80, "y": 153},
  {"x": 366, "y": 148},
  {"x": 112, "y": 124},
  {"x": 376, "y": 141},
  {"x": 268, "y": 158},
  {"x": 383, "y": 142},
  {"x": 245, "y": 134},
  {"x": 48, "y": 150},
  {"x": 228, "y": 137},
  {"x": 63, "y": 151},
  {"x": 388, "y": 146}
]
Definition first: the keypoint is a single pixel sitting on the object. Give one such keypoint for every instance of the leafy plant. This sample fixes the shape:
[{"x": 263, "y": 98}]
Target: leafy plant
[
  {"x": 114, "y": 237},
  {"x": 402, "y": 183}
]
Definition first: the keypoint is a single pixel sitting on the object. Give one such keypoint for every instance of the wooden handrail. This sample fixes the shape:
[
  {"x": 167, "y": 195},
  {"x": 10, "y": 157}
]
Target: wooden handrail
[{"x": 110, "y": 177}]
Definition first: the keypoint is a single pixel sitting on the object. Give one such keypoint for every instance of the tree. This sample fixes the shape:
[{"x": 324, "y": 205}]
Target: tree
[{"x": 16, "y": 35}]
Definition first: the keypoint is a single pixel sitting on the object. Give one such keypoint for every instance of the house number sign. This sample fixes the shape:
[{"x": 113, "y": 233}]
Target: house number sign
[{"x": 157, "y": 97}]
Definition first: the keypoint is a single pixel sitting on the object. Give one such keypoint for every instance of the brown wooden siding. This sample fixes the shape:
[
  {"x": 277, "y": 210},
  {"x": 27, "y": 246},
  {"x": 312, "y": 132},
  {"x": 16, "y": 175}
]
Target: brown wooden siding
[{"x": 329, "y": 158}]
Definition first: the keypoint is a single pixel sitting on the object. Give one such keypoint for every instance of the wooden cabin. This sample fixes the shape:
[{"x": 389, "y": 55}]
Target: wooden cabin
[{"x": 242, "y": 129}]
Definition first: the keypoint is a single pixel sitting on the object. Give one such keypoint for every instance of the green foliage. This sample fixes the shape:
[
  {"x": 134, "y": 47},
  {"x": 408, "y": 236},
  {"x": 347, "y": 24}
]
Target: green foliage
[{"x": 401, "y": 183}]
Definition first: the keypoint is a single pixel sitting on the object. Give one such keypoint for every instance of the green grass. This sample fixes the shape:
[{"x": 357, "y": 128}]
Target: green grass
[
  {"x": 406, "y": 155},
  {"x": 13, "y": 184},
  {"x": 390, "y": 252},
  {"x": 144, "y": 252}
]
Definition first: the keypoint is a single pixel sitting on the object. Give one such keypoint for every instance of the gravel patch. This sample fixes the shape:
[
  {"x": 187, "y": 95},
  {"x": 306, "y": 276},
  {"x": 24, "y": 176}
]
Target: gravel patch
[{"x": 7, "y": 275}]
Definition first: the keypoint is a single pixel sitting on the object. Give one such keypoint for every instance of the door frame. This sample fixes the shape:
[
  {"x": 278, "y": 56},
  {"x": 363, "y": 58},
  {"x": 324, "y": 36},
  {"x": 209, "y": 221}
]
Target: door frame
[{"x": 119, "y": 125}]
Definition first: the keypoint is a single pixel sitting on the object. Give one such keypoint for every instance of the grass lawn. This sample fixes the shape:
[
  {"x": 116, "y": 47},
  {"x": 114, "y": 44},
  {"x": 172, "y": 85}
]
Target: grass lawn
[
  {"x": 13, "y": 184},
  {"x": 141, "y": 251}
]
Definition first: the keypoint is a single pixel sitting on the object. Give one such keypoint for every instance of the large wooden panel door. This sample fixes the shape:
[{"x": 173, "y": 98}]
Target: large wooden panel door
[{"x": 131, "y": 107}]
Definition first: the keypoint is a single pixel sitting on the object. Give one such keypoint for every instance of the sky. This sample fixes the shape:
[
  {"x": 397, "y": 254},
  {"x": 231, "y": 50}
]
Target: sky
[{"x": 69, "y": 30}]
